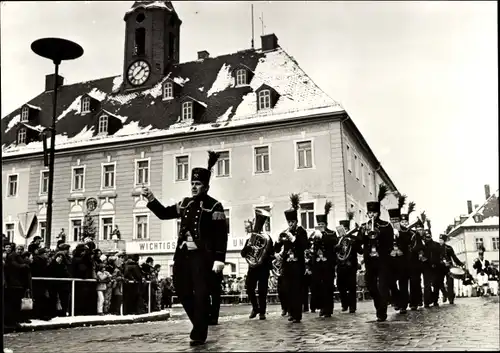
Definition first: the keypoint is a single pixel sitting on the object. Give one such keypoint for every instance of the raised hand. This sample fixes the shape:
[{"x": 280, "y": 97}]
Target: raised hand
[{"x": 147, "y": 193}]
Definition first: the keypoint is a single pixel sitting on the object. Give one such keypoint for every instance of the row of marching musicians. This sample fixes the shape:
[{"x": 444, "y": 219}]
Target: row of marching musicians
[{"x": 396, "y": 256}]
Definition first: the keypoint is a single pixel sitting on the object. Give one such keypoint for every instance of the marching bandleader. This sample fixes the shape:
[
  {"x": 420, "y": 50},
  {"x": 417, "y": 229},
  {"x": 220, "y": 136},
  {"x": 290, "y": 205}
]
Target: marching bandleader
[
  {"x": 201, "y": 246},
  {"x": 347, "y": 251},
  {"x": 377, "y": 237},
  {"x": 294, "y": 242},
  {"x": 259, "y": 264},
  {"x": 323, "y": 264}
]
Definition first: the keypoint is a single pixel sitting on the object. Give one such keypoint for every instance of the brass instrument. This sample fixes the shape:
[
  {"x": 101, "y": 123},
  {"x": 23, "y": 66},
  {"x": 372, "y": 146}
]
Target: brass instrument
[
  {"x": 285, "y": 235},
  {"x": 277, "y": 264},
  {"x": 259, "y": 244},
  {"x": 344, "y": 246},
  {"x": 373, "y": 235}
]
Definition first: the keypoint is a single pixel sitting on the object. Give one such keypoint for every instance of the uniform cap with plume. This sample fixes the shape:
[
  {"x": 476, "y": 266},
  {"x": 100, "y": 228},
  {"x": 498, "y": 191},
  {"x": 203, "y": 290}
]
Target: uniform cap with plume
[
  {"x": 411, "y": 207},
  {"x": 295, "y": 201},
  {"x": 328, "y": 207},
  {"x": 401, "y": 200},
  {"x": 382, "y": 191},
  {"x": 213, "y": 157},
  {"x": 423, "y": 217},
  {"x": 203, "y": 175}
]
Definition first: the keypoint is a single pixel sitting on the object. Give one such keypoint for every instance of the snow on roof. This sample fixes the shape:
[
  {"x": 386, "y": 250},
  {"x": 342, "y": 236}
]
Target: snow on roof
[
  {"x": 154, "y": 4},
  {"x": 97, "y": 94},
  {"x": 223, "y": 81},
  {"x": 38, "y": 128},
  {"x": 489, "y": 221},
  {"x": 15, "y": 120},
  {"x": 121, "y": 118},
  {"x": 33, "y": 107},
  {"x": 227, "y": 106}
]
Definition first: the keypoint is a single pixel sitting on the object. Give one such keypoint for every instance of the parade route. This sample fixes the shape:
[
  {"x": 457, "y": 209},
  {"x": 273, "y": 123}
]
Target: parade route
[{"x": 471, "y": 324}]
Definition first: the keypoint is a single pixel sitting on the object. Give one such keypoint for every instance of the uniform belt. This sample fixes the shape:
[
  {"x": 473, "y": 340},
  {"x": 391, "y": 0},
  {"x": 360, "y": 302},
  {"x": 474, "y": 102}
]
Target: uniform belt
[{"x": 189, "y": 244}]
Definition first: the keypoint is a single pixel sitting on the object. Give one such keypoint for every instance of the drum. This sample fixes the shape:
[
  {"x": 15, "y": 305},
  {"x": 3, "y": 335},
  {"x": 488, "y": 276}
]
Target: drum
[{"x": 457, "y": 273}]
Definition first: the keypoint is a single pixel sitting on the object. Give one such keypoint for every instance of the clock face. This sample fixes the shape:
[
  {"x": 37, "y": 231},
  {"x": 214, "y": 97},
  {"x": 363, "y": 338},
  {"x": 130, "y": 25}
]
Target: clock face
[{"x": 138, "y": 72}]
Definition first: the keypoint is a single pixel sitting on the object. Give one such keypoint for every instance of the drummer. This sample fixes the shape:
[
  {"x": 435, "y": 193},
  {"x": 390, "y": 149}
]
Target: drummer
[{"x": 448, "y": 269}]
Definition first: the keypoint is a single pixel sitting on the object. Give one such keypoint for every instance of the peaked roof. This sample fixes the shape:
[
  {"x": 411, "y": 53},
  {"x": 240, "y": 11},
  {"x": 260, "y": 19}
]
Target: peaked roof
[
  {"x": 488, "y": 210},
  {"x": 145, "y": 113}
]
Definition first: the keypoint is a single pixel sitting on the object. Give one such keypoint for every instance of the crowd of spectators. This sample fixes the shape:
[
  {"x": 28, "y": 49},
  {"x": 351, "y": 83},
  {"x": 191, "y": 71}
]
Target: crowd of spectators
[{"x": 115, "y": 283}]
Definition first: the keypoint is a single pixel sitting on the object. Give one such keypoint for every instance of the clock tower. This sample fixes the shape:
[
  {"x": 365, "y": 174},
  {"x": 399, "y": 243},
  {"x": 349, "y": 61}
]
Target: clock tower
[{"x": 152, "y": 31}]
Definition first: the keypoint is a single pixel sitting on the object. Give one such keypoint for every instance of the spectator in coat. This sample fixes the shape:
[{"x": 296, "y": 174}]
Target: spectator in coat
[
  {"x": 85, "y": 292},
  {"x": 103, "y": 278},
  {"x": 35, "y": 244},
  {"x": 117, "y": 287},
  {"x": 27, "y": 257},
  {"x": 132, "y": 286},
  {"x": 14, "y": 286},
  {"x": 41, "y": 303},
  {"x": 59, "y": 291}
]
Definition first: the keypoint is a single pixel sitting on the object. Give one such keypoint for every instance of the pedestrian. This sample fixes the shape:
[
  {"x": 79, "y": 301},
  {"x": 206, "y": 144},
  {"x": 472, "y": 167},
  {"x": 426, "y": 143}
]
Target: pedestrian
[
  {"x": 132, "y": 288},
  {"x": 15, "y": 267},
  {"x": 59, "y": 291},
  {"x": 201, "y": 246},
  {"x": 35, "y": 244},
  {"x": 117, "y": 288},
  {"x": 41, "y": 300},
  {"x": 103, "y": 278}
]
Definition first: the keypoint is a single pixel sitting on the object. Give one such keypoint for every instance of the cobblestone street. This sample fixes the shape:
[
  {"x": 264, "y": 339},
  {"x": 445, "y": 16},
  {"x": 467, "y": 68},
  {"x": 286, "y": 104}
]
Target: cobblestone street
[{"x": 471, "y": 324}]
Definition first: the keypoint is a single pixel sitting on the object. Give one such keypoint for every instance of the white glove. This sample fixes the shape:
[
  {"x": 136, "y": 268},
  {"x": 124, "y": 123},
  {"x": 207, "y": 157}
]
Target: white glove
[
  {"x": 396, "y": 232},
  {"x": 218, "y": 266},
  {"x": 147, "y": 193}
]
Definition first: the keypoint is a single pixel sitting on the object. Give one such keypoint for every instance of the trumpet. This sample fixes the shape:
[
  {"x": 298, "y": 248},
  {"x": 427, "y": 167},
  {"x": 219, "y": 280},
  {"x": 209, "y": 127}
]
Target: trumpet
[{"x": 373, "y": 235}]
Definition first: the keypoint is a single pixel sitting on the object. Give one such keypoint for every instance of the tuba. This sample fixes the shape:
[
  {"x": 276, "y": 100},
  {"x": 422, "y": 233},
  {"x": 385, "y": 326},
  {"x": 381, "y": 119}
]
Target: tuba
[
  {"x": 344, "y": 246},
  {"x": 258, "y": 243}
]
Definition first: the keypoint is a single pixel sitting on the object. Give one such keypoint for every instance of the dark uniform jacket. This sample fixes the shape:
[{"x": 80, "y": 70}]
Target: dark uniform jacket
[
  {"x": 383, "y": 243},
  {"x": 294, "y": 252},
  {"x": 417, "y": 245},
  {"x": 403, "y": 243},
  {"x": 479, "y": 267},
  {"x": 204, "y": 218},
  {"x": 432, "y": 254},
  {"x": 324, "y": 250},
  {"x": 448, "y": 256},
  {"x": 268, "y": 253}
]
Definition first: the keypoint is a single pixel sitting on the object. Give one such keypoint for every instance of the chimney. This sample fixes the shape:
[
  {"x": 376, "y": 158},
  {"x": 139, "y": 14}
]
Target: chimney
[
  {"x": 269, "y": 42},
  {"x": 49, "y": 82},
  {"x": 203, "y": 54},
  {"x": 487, "y": 191},
  {"x": 469, "y": 207}
]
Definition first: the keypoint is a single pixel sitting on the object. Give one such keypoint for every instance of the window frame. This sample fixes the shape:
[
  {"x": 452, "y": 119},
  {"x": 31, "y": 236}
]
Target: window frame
[
  {"x": 349, "y": 158},
  {"x": 171, "y": 89},
  {"x": 254, "y": 148},
  {"x": 25, "y": 114},
  {"x": 136, "y": 171},
  {"x": 86, "y": 104},
  {"x": 103, "y": 117},
  {"x": 244, "y": 77},
  {"x": 7, "y": 194},
  {"x": 362, "y": 167},
  {"x": 188, "y": 155},
  {"x": 189, "y": 104},
  {"x": 356, "y": 167},
  {"x": 103, "y": 165},
  {"x": 260, "y": 94},
  {"x": 24, "y": 131},
  {"x": 228, "y": 218},
  {"x": 39, "y": 232},
  {"x": 495, "y": 245},
  {"x": 142, "y": 214},
  {"x": 216, "y": 166},
  {"x": 264, "y": 206},
  {"x": 476, "y": 242},
  {"x": 73, "y": 167},
  {"x": 301, "y": 211},
  {"x": 101, "y": 226},
  {"x": 7, "y": 230},
  {"x": 40, "y": 189},
  {"x": 296, "y": 153},
  {"x": 70, "y": 227}
]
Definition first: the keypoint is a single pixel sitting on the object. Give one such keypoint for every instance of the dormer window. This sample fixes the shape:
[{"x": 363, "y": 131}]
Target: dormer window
[
  {"x": 21, "y": 136},
  {"x": 168, "y": 90},
  {"x": 264, "y": 99},
  {"x": 241, "y": 77},
  {"x": 103, "y": 125},
  {"x": 25, "y": 112},
  {"x": 187, "y": 111},
  {"x": 85, "y": 105}
]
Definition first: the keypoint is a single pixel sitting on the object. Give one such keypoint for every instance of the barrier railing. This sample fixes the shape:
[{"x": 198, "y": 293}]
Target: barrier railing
[{"x": 92, "y": 280}]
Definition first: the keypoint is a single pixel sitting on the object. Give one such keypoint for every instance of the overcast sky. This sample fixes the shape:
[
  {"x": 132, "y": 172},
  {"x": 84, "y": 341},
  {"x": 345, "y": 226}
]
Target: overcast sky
[{"x": 418, "y": 79}]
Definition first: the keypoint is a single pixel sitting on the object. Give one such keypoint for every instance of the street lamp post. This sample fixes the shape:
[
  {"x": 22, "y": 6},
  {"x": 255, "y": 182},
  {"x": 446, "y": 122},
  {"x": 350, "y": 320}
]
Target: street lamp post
[{"x": 57, "y": 50}]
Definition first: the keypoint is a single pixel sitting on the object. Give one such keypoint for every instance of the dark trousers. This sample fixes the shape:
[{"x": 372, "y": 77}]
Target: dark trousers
[
  {"x": 12, "y": 305},
  {"x": 346, "y": 284},
  {"x": 258, "y": 275},
  {"x": 377, "y": 278},
  {"x": 449, "y": 292},
  {"x": 307, "y": 281},
  {"x": 43, "y": 304},
  {"x": 322, "y": 287},
  {"x": 63, "y": 295},
  {"x": 416, "y": 271},
  {"x": 116, "y": 303},
  {"x": 215, "y": 290},
  {"x": 399, "y": 283},
  {"x": 282, "y": 295},
  {"x": 132, "y": 298},
  {"x": 431, "y": 285},
  {"x": 192, "y": 278},
  {"x": 293, "y": 274}
]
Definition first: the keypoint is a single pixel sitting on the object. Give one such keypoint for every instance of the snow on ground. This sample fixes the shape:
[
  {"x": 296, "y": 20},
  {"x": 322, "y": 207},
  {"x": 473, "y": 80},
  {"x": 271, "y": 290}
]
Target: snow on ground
[
  {"x": 13, "y": 122},
  {"x": 92, "y": 318},
  {"x": 223, "y": 81}
]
